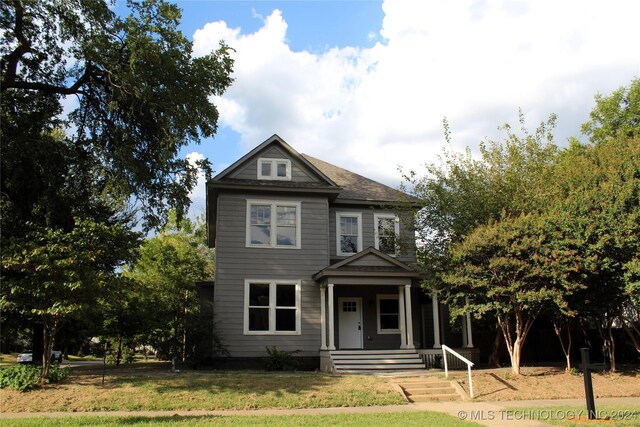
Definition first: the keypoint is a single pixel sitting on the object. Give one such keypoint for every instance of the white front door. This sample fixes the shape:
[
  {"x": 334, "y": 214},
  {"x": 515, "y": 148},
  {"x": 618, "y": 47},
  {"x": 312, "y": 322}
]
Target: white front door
[{"x": 350, "y": 322}]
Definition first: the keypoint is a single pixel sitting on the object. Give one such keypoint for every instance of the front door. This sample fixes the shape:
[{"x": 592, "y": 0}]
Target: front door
[{"x": 350, "y": 322}]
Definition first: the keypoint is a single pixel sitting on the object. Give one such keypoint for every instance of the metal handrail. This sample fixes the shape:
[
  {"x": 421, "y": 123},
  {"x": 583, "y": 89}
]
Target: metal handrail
[{"x": 469, "y": 363}]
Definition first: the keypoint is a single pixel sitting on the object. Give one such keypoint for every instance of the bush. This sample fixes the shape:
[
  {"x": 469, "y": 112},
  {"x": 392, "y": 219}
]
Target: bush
[
  {"x": 281, "y": 360},
  {"x": 20, "y": 377},
  {"x": 27, "y": 377}
]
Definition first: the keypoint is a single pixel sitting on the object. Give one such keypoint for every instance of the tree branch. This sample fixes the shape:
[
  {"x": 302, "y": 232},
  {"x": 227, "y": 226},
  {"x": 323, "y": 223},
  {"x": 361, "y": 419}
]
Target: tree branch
[{"x": 23, "y": 47}]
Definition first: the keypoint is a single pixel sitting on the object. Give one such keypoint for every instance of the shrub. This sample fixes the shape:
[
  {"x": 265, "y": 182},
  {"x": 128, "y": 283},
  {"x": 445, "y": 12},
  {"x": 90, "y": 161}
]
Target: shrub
[
  {"x": 281, "y": 360},
  {"x": 27, "y": 377}
]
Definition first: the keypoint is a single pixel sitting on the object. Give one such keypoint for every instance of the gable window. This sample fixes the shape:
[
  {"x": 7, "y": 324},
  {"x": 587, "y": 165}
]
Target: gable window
[
  {"x": 386, "y": 232},
  {"x": 348, "y": 233},
  {"x": 388, "y": 314},
  {"x": 274, "y": 169},
  {"x": 271, "y": 307},
  {"x": 273, "y": 224}
]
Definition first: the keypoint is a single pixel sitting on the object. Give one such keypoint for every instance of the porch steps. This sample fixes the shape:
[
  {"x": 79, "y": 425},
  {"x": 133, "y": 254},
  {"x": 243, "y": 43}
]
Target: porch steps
[
  {"x": 368, "y": 361},
  {"x": 429, "y": 390}
]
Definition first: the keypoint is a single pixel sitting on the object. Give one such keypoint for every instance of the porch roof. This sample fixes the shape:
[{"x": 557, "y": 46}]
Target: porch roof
[{"x": 368, "y": 263}]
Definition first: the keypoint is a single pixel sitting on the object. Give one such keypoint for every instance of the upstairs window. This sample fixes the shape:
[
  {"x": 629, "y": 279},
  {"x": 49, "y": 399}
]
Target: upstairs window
[
  {"x": 272, "y": 224},
  {"x": 386, "y": 232},
  {"x": 348, "y": 233},
  {"x": 274, "y": 169}
]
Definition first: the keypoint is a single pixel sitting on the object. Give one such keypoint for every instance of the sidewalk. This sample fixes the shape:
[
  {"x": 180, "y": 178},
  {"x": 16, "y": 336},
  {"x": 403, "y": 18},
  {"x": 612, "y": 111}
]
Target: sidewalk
[{"x": 486, "y": 413}]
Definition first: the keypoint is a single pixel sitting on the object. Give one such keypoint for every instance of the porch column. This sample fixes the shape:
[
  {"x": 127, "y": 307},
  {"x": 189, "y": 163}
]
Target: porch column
[
  {"x": 323, "y": 320},
  {"x": 468, "y": 327},
  {"x": 407, "y": 301},
  {"x": 436, "y": 321},
  {"x": 403, "y": 322},
  {"x": 332, "y": 345}
]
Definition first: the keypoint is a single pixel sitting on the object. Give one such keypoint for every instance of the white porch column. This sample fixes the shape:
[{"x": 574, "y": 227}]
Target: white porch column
[
  {"x": 323, "y": 320},
  {"x": 407, "y": 301},
  {"x": 436, "y": 321},
  {"x": 403, "y": 322},
  {"x": 332, "y": 345},
  {"x": 469, "y": 343}
]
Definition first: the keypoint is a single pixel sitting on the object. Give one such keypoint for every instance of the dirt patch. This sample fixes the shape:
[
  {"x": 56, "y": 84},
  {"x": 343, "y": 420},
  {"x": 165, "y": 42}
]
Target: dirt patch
[{"x": 549, "y": 383}]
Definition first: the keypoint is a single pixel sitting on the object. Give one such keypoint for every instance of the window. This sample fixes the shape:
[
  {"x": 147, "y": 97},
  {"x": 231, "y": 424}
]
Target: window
[
  {"x": 388, "y": 314},
  {"x": 386, "y": 231},
  {"x": 348, "y": 233},
  {"x": 273, "y": 224},
  {"x": 271, "y": 307},
  {"x": 275, "y": 169}
]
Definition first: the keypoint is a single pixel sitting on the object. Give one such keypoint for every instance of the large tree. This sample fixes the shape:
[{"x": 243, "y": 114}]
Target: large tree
[{"x": 140, "y": 94}]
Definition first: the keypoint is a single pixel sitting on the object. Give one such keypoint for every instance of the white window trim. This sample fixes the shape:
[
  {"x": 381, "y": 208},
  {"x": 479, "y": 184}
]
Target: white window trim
[
  {"x": 274, "y": 170},
  {"x": 272, "y": 306},
  {"x": 379, "y": 216},
  {"x": 338, "y": 246},
  {"x": 274, "y": 204},
  {"x": 381, "y": 297}
]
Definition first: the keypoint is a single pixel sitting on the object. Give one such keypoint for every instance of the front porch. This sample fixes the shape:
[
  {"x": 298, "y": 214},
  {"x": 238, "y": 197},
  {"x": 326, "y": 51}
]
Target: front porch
[{"x": 375, "y": 316}]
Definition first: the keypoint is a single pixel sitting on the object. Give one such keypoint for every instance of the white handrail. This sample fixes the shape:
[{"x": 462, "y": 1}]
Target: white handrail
[{"x": 459, "y": 356}]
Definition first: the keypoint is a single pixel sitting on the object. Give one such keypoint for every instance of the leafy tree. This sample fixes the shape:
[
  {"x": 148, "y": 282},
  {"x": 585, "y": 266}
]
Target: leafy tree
[
  {"x": 168, "y": 268},
  {"x": 141, "y": 94},
  {"x": 515, "y": 269}
]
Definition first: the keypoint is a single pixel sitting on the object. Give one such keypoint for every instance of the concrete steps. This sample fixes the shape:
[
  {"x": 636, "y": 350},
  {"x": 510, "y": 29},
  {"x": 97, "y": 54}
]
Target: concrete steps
[
  {"x": 429, "y": 390},
  {"x": 367, "y": 361}
]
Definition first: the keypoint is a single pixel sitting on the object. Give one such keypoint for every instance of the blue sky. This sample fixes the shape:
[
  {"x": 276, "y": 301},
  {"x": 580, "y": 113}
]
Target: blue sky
[{"x": 366, "y": 84}]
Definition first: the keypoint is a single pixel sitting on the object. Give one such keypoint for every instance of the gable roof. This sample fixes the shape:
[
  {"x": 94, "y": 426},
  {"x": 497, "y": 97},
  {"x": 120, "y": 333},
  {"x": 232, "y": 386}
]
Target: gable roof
[
  {"x": 357, "y": 188},
  {"x": 369, "y": 262}
]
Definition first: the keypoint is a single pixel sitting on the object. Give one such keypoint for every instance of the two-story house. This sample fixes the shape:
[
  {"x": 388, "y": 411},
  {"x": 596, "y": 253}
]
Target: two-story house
[{"x": 307, "y": 258}]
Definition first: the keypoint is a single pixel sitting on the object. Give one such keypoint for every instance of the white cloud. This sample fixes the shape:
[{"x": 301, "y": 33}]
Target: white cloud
[
  {"x": 198, "y": 194},
  {"x": 475, "y": 62}
]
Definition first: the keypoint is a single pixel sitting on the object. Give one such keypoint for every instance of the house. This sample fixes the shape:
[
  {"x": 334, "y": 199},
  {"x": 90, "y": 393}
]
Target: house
[{"x": 308, "y": 258}]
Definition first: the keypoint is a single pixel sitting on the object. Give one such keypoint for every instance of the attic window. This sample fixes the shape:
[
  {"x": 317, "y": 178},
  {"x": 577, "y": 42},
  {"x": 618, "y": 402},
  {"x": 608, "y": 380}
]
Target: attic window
[{"x": 274, "y": 169}]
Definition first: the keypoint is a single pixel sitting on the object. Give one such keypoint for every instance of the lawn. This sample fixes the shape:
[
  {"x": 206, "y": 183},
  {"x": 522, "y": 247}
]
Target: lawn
[
  {"x": 404, "y": 419},
  {"x": 577, "y": 415},
  {"x": 154, "y": 387}
]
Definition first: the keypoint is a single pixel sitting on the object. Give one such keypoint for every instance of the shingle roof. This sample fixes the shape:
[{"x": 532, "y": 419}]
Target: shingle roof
[{"x": 357, "y": 187}]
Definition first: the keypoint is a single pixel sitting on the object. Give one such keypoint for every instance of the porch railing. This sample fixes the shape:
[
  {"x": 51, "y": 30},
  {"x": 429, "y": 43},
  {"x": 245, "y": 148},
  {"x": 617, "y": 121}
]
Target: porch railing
[{"x": 469, "y": 363}]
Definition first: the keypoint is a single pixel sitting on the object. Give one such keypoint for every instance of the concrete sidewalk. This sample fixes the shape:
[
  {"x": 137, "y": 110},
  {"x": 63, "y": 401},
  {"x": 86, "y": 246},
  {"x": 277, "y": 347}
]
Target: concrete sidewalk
[{"x": 485, "y": 413}]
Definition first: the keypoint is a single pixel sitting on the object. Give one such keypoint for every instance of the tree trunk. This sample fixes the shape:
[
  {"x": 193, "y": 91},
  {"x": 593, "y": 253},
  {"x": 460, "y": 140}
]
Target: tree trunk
[
  {"x": 515, "y": 339},
  {"x": 49, "y": 329},
  {"x": 612, "y": 355},
  {"x": 494, "y": 358},
  {"x": 119, "y": 353},
  {"x": 566, "y": 349}
]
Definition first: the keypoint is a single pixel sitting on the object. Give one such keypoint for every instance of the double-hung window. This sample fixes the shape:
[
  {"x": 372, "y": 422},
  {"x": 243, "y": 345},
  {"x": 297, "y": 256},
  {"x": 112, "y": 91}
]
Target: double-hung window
[
  {"x": 388, "y": 314},
  {"x": 348, "y": 233},
  {"x": 273, "y": 224},
  {"x": 274, "y": 169},
  {"x": 386, "y": 232},
  {"x": 271, "y": 307}
]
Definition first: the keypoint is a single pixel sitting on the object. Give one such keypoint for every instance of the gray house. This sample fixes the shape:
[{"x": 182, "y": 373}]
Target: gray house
[{"x": 307, "y": 258}]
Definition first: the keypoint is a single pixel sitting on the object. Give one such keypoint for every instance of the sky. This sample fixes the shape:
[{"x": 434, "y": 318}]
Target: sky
[{"x": 365, "y": 85}]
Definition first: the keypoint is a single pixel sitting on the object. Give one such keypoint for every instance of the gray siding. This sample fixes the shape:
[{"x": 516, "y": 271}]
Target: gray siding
[
  {"x": 299, "y": 172},
  {"x": 368, "y": 231},
  {"x": 235, "y": 263}
]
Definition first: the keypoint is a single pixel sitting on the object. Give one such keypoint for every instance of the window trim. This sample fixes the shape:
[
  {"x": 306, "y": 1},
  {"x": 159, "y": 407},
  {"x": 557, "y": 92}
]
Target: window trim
[
  {"x": 380, "y": 297},
  {"x": 272, "y": 306},
  {"x": 338, "y": 246},
  {"x": 273, "y": 223},
  {"x": 274, "y": 169},
  {"x": 377, "y": 217}
]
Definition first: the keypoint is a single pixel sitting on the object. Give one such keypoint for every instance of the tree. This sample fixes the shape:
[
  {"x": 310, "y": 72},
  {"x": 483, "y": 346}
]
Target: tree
[
  {"x": 141, "y": 95},
  {"x": 167, "y": 271},
  {"x": 515, "y": 269},
  {"x": 52, "y": 274}
]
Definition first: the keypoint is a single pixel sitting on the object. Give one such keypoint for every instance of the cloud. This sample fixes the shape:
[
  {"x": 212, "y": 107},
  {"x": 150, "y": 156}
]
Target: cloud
[{"x": 475, "y": 62}]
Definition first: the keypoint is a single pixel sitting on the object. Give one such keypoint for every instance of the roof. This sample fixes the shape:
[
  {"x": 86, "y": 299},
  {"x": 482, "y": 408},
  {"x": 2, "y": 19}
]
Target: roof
[{"x": 357, "y": 187}]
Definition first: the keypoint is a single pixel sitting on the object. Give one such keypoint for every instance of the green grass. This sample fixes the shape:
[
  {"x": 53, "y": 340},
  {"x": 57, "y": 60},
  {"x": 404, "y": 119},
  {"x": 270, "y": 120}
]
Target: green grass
[
  {"x": 608, "y": 415},
  {"x": 403, "y": 419},
  {"x": 145, "y": 388}
]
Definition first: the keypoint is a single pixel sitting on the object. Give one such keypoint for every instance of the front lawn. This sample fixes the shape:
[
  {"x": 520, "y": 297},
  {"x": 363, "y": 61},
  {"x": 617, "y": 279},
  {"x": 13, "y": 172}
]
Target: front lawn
[
  {"x": 157, "y": 388},
  {"x": 403, "y": 419}
]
